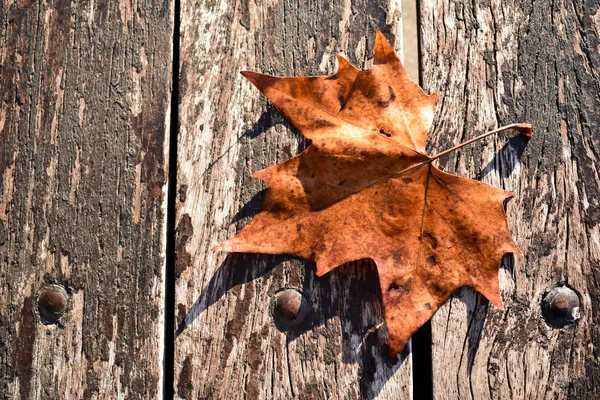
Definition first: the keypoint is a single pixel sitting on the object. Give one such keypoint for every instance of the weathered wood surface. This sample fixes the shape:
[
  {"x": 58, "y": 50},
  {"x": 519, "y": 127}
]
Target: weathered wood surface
[
  {"x": 497, "y": 62},
  {"x": 227, "y": 344},
  {"x": 85, "y": 93}
]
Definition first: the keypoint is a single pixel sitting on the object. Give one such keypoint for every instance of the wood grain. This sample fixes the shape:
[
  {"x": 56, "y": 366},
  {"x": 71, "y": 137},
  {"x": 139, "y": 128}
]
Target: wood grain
[
  {"x": 496, "y": 62},
  {"x": 85, "y": 93},
  {"x": 227, "y": 344}
]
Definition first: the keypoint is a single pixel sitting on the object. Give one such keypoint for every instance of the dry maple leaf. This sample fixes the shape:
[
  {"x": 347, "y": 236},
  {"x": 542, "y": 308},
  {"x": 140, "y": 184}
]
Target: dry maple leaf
[{"x": 366, "y": 189}]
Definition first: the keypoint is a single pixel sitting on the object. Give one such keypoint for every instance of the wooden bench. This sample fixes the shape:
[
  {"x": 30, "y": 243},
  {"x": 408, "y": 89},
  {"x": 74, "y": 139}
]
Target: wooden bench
[{"x": 122, "y": 162}]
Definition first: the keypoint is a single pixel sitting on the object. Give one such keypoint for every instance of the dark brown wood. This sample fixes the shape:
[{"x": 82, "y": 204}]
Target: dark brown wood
[
  {"x": 84, "y": 100},
  {"x": 497, "y": 62},
  {"x": 84, "y": 107},
  {"x": 228, "y": 345}
]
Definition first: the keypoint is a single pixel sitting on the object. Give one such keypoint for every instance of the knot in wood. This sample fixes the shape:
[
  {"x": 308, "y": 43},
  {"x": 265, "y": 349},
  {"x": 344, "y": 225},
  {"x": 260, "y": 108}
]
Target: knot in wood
[
  {"x": 560, "y": 306},
  {"x": 52, "y": 303},
  {"x": 289, "y": 308}
]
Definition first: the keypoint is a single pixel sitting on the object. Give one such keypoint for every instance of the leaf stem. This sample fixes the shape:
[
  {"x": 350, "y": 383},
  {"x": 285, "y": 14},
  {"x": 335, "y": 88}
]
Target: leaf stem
[{"x": 524, "y": 129}]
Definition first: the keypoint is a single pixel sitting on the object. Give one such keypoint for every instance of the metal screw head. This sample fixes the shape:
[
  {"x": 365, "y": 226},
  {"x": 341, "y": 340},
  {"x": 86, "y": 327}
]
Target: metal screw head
[
  {"x": 289, "y": 309},
  {"x": 52, "y": 303},
  {"x": 560, "y": 306}
]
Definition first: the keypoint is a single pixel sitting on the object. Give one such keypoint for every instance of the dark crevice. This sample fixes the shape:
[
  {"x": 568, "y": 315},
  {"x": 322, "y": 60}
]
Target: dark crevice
[
  {"x": 393, "y": 286},
  {"x": 421, "y": 359},
  {"x": 169, "y": 322},
  {"x": 421, "y": 341},
  {"x": 419, "y": 42}
]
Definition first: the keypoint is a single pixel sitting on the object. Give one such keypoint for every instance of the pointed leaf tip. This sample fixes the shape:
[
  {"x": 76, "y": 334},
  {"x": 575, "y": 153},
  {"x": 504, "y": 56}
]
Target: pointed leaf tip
[
  {"x": 261, "y": 174},
  {"x": 507, "y": 195},
  {"x": 251, "y": 76},
  {"x": 382, "y": 49},
  {"x": 499, "y": 305},
  {"x": 379, "y": 36},
  {"x": 517, "y": 251},
  {"x": 396, "y": 347},
  {"x": 491, "y": 292},
  {"x": 225, "y": 246},
  {"x": 217, "y": 247},
  {"x": 261, "y": 81},
  {"x": 342, "y": 62}
]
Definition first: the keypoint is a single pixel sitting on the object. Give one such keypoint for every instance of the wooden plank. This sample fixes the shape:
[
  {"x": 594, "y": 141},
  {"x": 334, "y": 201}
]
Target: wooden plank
[
  {"x": 228, "y": 345},
  {"x": 85, "y": 93},
  {"x": 496, "y": 62}
]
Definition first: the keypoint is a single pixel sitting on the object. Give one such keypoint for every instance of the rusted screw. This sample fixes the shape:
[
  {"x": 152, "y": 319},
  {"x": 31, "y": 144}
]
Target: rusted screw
[
  {"x": 52, "y": 303},
  {"x": 560, "y": 306},
  {"x": 289, "y": 309}
]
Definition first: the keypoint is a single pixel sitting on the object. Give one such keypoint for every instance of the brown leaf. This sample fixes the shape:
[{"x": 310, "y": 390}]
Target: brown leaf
[{"x": 365, "y": 188}]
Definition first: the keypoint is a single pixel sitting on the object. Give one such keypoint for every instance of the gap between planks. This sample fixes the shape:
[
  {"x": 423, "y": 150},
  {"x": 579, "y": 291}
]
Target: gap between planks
[
  {"x": 422, "y": 372},
  {"x": 168, "y": 389}
]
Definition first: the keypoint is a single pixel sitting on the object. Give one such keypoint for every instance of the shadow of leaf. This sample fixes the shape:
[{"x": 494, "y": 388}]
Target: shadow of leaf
[
  {"x": 336, "y": 310},
  {"x": 507, "y": 158},
  {"x": 477, "y": 310},
  {"x": 236, "y": 269},
  {"x": 267, "y": 119},
  {"x": 250, "y": 208}
]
